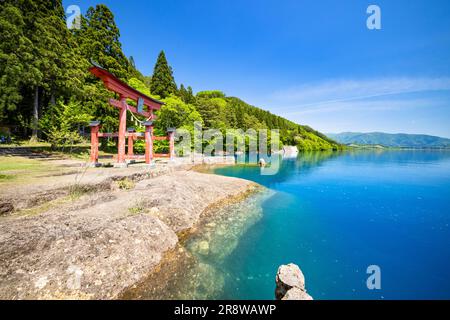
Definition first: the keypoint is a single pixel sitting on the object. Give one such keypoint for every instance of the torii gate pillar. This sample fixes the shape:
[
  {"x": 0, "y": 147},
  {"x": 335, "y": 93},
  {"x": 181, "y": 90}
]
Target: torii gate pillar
[
  {"x": 95, "y": 128},
  {"x": 148, "y": 142},
  {"x": 121, "y": 158},
  {"x": 131, "y": 142},
  {"x": 171, "y": 134}
]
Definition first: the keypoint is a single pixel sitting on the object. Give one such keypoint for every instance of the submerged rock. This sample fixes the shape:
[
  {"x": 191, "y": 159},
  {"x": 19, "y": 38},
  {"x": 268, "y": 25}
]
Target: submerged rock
[
  {"x": 291, "y": 283},
  {"x": 296, "y": 294},
  {"x": 203, "y": 248},
  {"x": 219, "y": 234}
]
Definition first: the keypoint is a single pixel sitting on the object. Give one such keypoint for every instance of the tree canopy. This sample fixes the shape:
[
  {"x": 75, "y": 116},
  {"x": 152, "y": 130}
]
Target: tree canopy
[
  {"x": 45, "y": 83},
  {"x": 163, "y": 83}
]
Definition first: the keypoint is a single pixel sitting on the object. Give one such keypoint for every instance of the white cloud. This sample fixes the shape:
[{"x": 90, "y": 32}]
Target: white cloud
[
  {"x": 401, "y": 104},
  {"x": 336, "y": 92},
  {"x": 366, "y": 105}
]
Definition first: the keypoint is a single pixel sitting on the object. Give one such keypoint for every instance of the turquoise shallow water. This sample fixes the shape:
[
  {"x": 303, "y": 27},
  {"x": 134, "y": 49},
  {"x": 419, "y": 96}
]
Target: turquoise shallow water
[{"x": 335, "y": 214}]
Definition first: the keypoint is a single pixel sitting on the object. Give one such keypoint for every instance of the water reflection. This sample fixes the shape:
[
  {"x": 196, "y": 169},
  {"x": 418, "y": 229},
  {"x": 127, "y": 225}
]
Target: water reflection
[
  {"x": 304, "y": 163},
  {"x": 308, "y": 162}
]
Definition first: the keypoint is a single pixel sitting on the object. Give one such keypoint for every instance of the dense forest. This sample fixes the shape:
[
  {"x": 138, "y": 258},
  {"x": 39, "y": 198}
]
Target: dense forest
[{"x": 47, "y": 93}]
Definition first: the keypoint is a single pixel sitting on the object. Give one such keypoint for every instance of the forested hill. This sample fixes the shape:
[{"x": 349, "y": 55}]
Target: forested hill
[
  {"x": 47, "y": 93},
  {"x": 392, "y": 140}
]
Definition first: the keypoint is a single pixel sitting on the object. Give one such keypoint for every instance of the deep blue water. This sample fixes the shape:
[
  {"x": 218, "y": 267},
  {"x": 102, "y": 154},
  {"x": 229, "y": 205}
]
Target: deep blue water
[{"x": 335, "y": 214}]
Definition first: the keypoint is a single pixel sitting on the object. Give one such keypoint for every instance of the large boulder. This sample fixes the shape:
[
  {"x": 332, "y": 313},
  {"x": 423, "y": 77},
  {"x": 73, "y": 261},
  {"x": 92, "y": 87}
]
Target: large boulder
[{"x": 290, "y": 283}]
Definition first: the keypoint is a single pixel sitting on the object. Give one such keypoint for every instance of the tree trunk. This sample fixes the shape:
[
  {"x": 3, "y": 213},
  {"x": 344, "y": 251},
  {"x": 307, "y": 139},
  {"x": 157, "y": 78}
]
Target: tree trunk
[
  {"x": 52, "y": 99},
  {"x": 34, "y": 135}
]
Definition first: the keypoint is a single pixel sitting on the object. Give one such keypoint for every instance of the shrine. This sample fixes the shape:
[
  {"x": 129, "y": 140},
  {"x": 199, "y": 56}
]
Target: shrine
[{"x": 145, "y": 106}]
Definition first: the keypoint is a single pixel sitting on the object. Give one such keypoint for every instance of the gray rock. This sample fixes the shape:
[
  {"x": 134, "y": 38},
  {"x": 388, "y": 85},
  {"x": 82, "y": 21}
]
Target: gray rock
[
  {"x": 296, "y": 294},
  {"x": 96, "y": 246},
  {"x": 6, "y": 208},
  {"x": 262, "y": 163},
  {"x": 290, "y": 283}
]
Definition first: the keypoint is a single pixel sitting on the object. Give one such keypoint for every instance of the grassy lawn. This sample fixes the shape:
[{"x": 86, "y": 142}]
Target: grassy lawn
[
  {"x": 22, "y": 161},
  {"x": 12, "y": 168},
  {"x": 80, "y": 151}
]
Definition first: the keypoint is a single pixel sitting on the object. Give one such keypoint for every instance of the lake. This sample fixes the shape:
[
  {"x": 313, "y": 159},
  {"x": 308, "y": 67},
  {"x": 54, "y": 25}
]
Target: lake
[{"x": 336, "y": 214}]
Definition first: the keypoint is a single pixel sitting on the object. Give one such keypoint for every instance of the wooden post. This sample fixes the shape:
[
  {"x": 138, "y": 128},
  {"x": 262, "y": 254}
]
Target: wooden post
[
  {"x": 122, "y": 130},
  {"x": 171, "y": 134},
  {"x": 131, "y": 142},
  {"x": 95, "y": 128},
  {"x": 148, "y": 142}
]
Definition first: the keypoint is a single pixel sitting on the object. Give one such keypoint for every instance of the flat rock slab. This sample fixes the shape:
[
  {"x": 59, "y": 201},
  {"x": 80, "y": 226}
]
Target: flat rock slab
[{"x": 98, "y": 245}]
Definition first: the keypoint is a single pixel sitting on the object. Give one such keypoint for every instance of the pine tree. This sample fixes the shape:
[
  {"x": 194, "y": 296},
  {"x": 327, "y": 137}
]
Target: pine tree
[
  {"x": 99, "y": 41},
  {"x": 43, "y": 56},
  {"x": 186, "y": 94},
  {"x": 132, "y": 63},
  {"x": 190, "y": 95},
  {"x": 183, "y": 93},
  {"x": 15, "y": 58},
  {"x": 163, "y": 83}
]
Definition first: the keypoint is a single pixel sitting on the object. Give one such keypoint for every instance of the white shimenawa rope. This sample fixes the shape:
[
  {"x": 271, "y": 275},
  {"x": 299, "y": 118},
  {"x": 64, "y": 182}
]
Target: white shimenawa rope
[{"x": 136, "y": 120}]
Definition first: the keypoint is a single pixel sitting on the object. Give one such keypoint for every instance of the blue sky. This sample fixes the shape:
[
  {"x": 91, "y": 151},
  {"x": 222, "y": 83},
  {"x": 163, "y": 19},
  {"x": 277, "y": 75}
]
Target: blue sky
[{"x": 312, "y": 61}]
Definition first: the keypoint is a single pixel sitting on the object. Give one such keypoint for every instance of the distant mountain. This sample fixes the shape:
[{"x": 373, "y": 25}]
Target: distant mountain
[{"x": 391, "y": 140}]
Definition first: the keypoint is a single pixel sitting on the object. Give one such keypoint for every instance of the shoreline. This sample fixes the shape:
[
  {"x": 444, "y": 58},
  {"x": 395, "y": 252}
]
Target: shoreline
[
  {"x": 189, "y": 265},
  {"x": 104, "y": 242},
  {"x": 177, "y": 260}
]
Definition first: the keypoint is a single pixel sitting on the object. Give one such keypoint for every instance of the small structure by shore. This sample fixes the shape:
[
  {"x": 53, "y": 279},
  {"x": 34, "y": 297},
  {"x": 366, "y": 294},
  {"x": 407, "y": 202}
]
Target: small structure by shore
[{"x": 290, "y": 152}]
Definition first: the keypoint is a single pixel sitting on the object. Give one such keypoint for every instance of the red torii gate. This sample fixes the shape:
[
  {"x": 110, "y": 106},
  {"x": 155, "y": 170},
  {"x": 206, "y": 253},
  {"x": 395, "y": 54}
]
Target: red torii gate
[{"x": 125, "y": 92}]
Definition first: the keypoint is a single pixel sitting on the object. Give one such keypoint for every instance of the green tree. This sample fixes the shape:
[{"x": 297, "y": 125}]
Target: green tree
[
  {"x": 98, "y": 39},
  {"x": 139, "y": 85},
  {"x": 163, "y": 83},
  {"x": 213, "y": 111},
  {"x": 177, "y": 114},
  {"x": 62, "y": 123},
  {"x": 45, "y": 59},
  {"x": 186, "y": 95},
  {"x": 210, "y": 94},
  {"x": 16, "y": 57}
]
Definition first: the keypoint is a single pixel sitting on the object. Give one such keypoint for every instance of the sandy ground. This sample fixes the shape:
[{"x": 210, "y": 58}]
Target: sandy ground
[{"x": 90, "y": 234}]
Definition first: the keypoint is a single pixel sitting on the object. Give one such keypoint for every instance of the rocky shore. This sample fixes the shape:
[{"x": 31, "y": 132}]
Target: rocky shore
[{"x": 95, "y": 243}]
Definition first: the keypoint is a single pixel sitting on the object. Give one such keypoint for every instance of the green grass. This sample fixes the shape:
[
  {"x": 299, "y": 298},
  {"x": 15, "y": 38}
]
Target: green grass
[
  {"x": 79, "y": 151},
  {"x": 126, "y": 184},
  {"x": 18, "y": 164},
  {"x": 138, "y": 208},
  {"x": 20, "y": 168},
  {"x": 6, "y": 177},
  {"x": 8, "y": 163}
]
